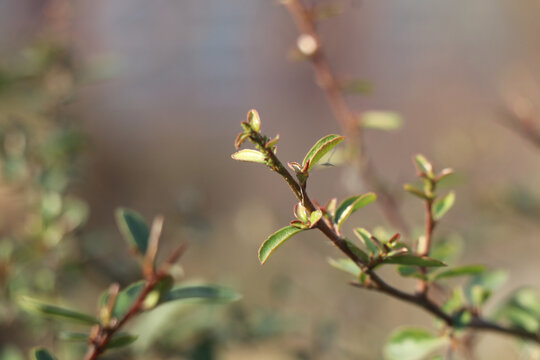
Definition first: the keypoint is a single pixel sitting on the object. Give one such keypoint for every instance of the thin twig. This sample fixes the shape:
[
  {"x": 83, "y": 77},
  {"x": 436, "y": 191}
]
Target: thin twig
[{"x": 343, "y": 113}]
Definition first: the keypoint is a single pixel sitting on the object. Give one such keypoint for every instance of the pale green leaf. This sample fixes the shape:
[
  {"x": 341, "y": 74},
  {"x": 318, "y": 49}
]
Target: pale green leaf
[
  {"x": 254, "y": 120},
  {"x": 315, "y": 217},
  {"x": 442, "y": 205},
  {"x": 352, "y": 204},
  {"x": 276, "y": 240},
  {"x": 249, "y": 155},
  {"x": 423, "y": 165},
  {"x": 381, "y": 120},
  {"x": 346, "y": 265},
  {"x": 320, "y": 148},
  {"x": 365, "y": 237},
  {"x": 412, "y": 344}
]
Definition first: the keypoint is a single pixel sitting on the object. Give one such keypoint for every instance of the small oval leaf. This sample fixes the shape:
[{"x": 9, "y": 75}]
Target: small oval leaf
[
  {"x": 249, "y": 155},
  {"x": 276, "y": 240},
  {"x": 133, "y": 228},
  {"x": 315, "y": 217},
  {"x": 254, "y": 120},
  {"x": 412, "y": 344},
  {"x": 423, "y": 165},
  {"x": 442, "y": 205},
  {"x": 409, "y": 259},
  {"x": 352, "y": 204},
  {"x": 320, "y": 148}
]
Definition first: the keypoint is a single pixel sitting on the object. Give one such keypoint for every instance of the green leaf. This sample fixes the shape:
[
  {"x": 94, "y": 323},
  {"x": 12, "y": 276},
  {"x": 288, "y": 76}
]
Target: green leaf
[
  {"x": 125, "y": 299},
  {"x": 276, "y": 240},
  {"x": 381, "y": 120},
  {"x": 42, "y": 354},
  {"x": 159, "y": 291},
  {"x": 315, "y": 217},
  {"x": 249, "y": 155},
  {"x": 254, "y": 120},
  {"x": 442, "y": 205},
  {"x": 359, "y": 253},
  {"x": 120, "y": 340},
  {"x": 133, "y": 228},
  {"x": 460, "y": 271},
  {"x": 212, "y": 293},
  {"x": 55, "y": 311},
  {"x": 423, "y": 165},
  {"x": 320, "y": 148},
  {"x": 410, "y": 259},
  {"x": 412, "y": 344},
  {"x": 346, "y": 265},
  {"x": 365, "y": 237},
  {"x": 300, "y": 212},
  {"x": 352, "y": 204}
]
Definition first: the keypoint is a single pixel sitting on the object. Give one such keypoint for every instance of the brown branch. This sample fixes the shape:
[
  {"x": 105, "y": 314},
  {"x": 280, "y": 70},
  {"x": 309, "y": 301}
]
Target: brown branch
[
  {"x": 419, "y": 299},
  {"x": 102, "y": 334},
  {"x": 344, "y": 115}
]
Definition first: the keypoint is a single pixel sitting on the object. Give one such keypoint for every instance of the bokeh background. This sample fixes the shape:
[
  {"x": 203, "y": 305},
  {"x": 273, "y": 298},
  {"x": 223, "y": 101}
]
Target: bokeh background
[{"x": 173, "y": 79}]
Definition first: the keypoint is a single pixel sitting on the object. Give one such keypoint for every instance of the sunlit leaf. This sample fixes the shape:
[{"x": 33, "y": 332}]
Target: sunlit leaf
[
  {"x": 460, "y": 271},
  {"x": 416, "y": 191},
  {"x": 254, "y": 120},
  {"x": 315, "y": 217},
  {"x": 133, "y": 228},
  {"x": 211, "y": 293},
  {"x": 412, "y": 344},
  {"x": 381, "y": 120},
  {"x": 249, "y": 155},
  {"x": 442, "y": 205},
  {"x": 276, "y": 240},
  {"x": 410, "y": 259},
  {"x": 365, "y": 237},
  {"x": 320, "y": 148},
  {"x": 423, "y": 165},
  {"x": 56, "y": 311},
  {"x": 42, "y": 354},
  {"x": 352, "y": 204}
]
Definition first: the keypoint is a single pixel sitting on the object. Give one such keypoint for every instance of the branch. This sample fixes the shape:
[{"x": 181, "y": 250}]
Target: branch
[
  {"x": 343, "y": 113},
  {"x": 419, "y": 299}
]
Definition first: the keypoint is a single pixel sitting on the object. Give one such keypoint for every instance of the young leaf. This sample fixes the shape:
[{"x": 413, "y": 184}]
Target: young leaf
[
  {"x": 423, "y": 165},
  {"x": 249, "y": 155},
  {"x": 300, "y": 212},
  {"x": 416, "y": 191},
  {"x": 120, "y": 340},
  {"x": 352, "y": 204},
  {"x": 346, "y": 265},
  {"x": 442, "y": 205},
  {"x": 276, "y": 240},
  {"x": 315, "y": 217},
  {"x": 133, "y": 228},
  {"x": 411, "y": 344},
  {"x": 410, "y": 259},
  {"x": 460, "y": 271},
  {"x": 320, "y": 148},
  {"x": 254, "y": 120},
  {"x": 125, "y": 299},
  {"x": 365, "y": 237},
  {"x": 42, "y": 354},
  {"x": 381, "y": 120},
  {"x": 55, "y": 311},
  {"x": 211, "y": 293}
]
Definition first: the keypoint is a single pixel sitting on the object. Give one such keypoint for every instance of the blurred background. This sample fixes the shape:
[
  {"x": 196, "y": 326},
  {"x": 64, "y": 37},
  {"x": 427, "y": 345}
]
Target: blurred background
[{"x": 146, "y": 99}]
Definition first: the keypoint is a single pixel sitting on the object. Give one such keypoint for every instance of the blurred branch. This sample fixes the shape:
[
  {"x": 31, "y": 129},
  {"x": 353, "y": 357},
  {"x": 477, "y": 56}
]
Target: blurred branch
[
  {"x": 519, "y": 117},
  {"x": 310, "y": 45}
]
